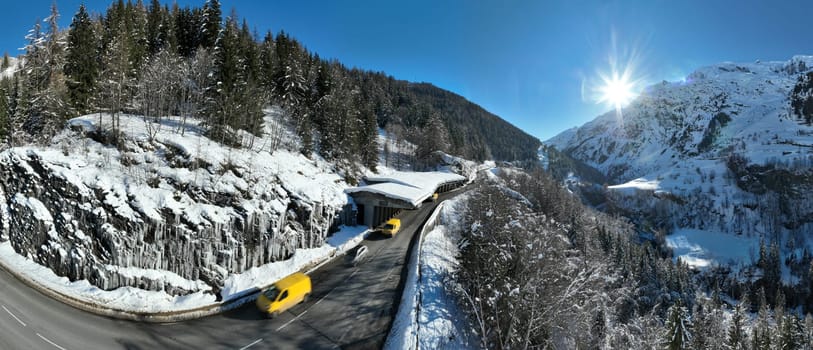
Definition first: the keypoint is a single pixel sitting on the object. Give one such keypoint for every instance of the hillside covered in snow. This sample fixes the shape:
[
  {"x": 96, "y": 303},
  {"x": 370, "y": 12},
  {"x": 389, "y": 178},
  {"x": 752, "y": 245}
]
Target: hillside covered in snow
[{"x": 728, "y": 150}]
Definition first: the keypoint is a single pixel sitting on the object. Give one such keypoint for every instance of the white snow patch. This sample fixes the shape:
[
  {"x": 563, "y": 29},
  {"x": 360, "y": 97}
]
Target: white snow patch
[
  {"x": 39, "y": 210},
  {"x": 258, "y": 277},
  {"x": 166, "y": 277},
  {"x": 702, "y": 249},
  {"x": 638, "y": 184}
]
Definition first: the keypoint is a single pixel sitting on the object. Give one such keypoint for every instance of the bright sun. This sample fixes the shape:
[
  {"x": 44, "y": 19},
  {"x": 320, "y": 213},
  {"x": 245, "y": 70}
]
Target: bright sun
[{"x": 616, "y": 90}]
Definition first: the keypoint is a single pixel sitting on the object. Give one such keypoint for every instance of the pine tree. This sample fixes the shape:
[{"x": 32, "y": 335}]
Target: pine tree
[
  {"x": 268, "y": 61},
  {"x": 368, "y": 139},
  {"x": 598, "y": 329},
  {"x": 187, "y": 30},
  {"x": 113, "y": 24},
  {"x": 250, "y": 53},
  {"x": 253, "y": 98},
  {"x": 708, "y": 325},
  {"x": 293, "y": 88},
  {"x": 809, "y": 297},
  {"x": 138, "y": 43},
  {"x": 54, "y": 50},
  {"x": 210, "y": 27},
  {"x": 36, "y": 64},
  {"x": 20, "y": 101},
  {"x": 329, "y": 114},
  {"x": 678, "y": 328},
  {"x": 5, "y": 115},
  {"x": 81, "y": 64},
  {"x": 319, "y": 91},
  {"x": 762, "y": 332},
  {"x": 285, "y": 49},
  {"x": 170, "y": 38},
  {"x": 807, "y": 340},
  {"x": 44, "y": 79},
  {"x": 773, "y": 273},
  {"x": 118, "y": 85},
  {"x": 156, "y": 30},
  {"x": 292, "y": 83},
  {"x": 736, "y": 332},
  {"x": 433, "y": 137},
  {"x": 223, "y": 106},
  {"x": 305, "y": 132},
  {"x": 790, "y": 333},
  {"x": 779, "y": 306},
  {"x": 237, "y": 100}
]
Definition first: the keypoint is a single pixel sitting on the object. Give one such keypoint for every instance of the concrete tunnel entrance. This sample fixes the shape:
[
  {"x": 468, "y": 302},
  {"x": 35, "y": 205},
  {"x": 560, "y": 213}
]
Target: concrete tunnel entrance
[
  {"x": 374, "y": 209},
  {"x": 385, "y": 196}
]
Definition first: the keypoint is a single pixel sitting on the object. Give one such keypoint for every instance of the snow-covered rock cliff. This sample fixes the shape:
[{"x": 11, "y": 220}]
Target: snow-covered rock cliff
[{"x": 175, "y": 212}]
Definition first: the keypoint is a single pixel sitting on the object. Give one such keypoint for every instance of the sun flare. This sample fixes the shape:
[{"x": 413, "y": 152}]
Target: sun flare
[{"x": 617, "y": 90}]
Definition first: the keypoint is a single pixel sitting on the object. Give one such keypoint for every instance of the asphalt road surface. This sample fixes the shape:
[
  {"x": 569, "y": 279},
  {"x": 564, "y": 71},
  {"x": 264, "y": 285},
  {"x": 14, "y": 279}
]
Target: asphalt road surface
[{"x": 350, "y": 307}]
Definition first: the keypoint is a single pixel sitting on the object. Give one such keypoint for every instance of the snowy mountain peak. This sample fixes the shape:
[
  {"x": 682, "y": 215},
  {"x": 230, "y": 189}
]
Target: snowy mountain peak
[
  {"x": 717, "y": 110},
  {"x": 725, "y": 149}
]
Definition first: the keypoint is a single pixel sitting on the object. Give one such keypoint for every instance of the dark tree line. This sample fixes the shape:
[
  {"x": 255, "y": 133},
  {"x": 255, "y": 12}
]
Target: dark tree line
[
  {"x": 160, "y": 61},
  {"x": 801, "y": 98}
]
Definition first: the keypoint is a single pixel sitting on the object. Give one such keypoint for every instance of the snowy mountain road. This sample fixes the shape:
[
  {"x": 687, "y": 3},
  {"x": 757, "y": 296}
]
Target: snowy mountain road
[{"x": 351, "y": 307}]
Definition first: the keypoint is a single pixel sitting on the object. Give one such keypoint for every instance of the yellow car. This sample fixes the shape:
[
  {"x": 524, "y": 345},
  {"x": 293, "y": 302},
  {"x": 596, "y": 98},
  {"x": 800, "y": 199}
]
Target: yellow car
[
  {"x": 285, "y": 294},
  {"x": 391, "y": 227}
]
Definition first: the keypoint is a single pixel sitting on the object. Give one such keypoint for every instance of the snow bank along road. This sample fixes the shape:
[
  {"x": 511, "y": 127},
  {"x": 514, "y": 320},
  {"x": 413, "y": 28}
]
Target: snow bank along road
[{"x": 351, "y": 307}]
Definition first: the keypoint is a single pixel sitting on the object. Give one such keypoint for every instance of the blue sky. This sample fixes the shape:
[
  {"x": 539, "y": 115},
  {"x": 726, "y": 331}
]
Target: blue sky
[{"x": 534, "y": 63}]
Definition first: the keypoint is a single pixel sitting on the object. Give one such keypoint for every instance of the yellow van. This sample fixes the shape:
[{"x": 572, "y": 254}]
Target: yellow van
[
  {"x": 434, "y": 197},
  {"x": 284, "y": 294},
  {"x": 391, "y": 227}
]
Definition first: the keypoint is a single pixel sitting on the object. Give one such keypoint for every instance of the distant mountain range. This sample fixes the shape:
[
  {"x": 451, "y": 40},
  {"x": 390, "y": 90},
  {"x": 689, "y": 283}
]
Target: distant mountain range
[{"x": 727, "y": 149}]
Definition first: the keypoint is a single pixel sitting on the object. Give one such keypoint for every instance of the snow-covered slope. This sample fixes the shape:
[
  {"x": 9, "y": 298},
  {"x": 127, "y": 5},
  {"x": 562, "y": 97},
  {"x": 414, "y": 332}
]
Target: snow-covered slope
[{"x": 722, "y": 150}]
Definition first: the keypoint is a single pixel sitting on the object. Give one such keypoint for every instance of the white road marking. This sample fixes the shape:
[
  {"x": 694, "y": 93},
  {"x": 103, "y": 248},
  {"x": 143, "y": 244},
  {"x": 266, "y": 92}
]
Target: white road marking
[
  {"x": 316, "y": 303},
  {"x": 294, "y": 319},
  {"x": 50, "y": 342},
  {"x": 328, "y": 293},
  {"x": 12, "y": 315},
  {"x": 252, "y": 344},
  {"x": 331, "y": 291}
]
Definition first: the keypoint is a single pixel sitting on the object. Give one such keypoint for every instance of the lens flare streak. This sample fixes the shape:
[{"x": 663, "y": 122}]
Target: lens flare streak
[
  {"x": 618, "y": 86},
  {"x": 617, "y": 90}
]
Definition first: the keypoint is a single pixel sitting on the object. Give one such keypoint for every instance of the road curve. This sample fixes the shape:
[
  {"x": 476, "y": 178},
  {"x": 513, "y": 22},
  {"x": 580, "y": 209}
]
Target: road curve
[{"x": 350, "y": 307}]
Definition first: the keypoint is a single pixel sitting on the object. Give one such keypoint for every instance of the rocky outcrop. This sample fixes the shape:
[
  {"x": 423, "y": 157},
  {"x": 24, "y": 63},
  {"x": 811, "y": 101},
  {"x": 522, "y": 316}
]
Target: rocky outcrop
[{"x": 147, "y": 215}]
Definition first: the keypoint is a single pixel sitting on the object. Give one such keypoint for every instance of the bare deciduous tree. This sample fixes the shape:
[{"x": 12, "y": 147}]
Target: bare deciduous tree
[{"x": 159, "y": 89}]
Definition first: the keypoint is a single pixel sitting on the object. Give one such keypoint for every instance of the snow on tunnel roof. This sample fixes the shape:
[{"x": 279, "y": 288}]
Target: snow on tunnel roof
[{"x": 411, "y": 187}]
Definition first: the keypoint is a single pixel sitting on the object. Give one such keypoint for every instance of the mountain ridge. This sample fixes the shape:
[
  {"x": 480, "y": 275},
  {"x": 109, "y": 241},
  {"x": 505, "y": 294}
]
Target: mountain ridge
[{"x": 722, "y": 150}]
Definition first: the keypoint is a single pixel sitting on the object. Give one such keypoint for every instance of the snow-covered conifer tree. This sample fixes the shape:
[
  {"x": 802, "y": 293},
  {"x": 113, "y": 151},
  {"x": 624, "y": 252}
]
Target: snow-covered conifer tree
[{"x": 678, "y": 327}]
